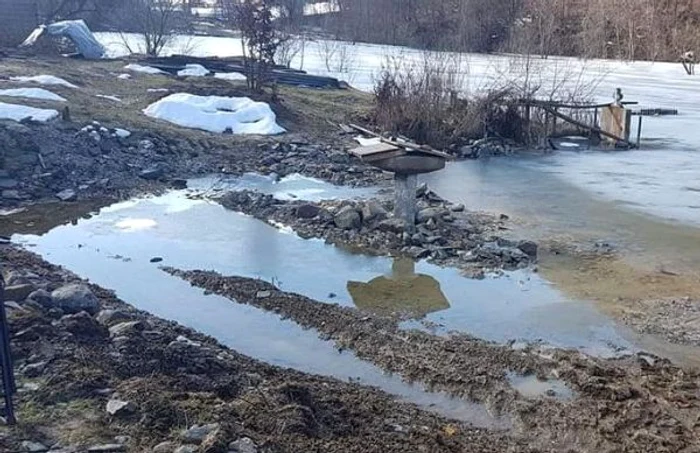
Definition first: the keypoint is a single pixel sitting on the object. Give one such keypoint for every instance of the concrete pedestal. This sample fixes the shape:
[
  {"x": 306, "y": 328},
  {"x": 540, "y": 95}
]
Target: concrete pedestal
[{"x": 405, "y": 199}]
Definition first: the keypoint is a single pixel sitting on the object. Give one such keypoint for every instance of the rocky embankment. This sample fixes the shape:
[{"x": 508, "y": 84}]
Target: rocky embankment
[
  {"x": 96, "y": 375},
  {"x": 640, "y": 403},
  {"x": 445, "y": 234},
  {"x": 70, "y": 161}
]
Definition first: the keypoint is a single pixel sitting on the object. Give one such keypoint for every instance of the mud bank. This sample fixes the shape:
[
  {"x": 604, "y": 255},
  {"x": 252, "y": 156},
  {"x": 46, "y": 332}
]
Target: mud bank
[
  {"x": 638, "y": 403},
  {"x": 102, "y": 373},
  {"x": 446, "y": 234}
]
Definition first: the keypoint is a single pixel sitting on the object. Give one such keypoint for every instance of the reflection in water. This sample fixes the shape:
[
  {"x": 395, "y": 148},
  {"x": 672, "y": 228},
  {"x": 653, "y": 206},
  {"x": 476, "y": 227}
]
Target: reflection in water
[{"x": 403, "y": 292}]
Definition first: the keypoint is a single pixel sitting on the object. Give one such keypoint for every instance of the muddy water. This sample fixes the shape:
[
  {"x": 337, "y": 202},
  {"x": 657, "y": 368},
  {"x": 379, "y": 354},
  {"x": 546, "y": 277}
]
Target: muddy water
[{"x": 638, "y": 201}]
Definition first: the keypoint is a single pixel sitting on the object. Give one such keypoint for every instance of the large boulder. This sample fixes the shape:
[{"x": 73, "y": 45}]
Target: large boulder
[
  {"x": 75, "y": 298},
  {"x": 348, "y": 218}
]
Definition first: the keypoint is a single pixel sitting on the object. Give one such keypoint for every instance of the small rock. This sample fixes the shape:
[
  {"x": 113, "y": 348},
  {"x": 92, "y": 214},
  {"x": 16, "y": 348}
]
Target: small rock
[
  {"x": 125, "y": 329},
  {"x": 424, "y": 215},
  {"x": 458, "y": 208},
  {"x": 529, "y": 248},
  {"x": 263, "y": 294},
  {"x": 156, "y": 259},
  {"x": 34, "y": 369},
  {"x": 112, "y": 317},
  {"x": 119, "y": 408},
  {"x": 122, "y": 440},
  {"x": 19, "y": 292},
  {"x": 164, "y": 447},
  {"x": 392, "y": 226},
  {"x": 74, "y": 298},
  {"x": 197, "y": 433},
  {"x": 307, "y": 211},
  {"x": 186, "y": 449},
  {"x": 41, "y": 297},
  {"x": 107, "y": 448},
  {"x": 67, "y": 195},
  {"x": 30, "y": 446},
  {"x": 347, "y": 218},
  {"x": 243, "y": 445},
  {"x": 11, "y": 195},
  {"x": 421, "y": 190},
  {"x": 12, "y": 305},
  {"x": 373, "y": 211},
  {"x": 151, "y": 174},
  {"x": 178, "y": 184},
  {"x": 81, "y": 324}
]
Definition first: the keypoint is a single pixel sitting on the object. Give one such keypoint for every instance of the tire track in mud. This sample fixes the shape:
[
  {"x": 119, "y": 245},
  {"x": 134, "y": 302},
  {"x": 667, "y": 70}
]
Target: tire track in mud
[{"x": 639, "y": 403}]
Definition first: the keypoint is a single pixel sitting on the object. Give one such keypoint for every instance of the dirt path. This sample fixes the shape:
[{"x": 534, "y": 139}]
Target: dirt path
[{"x": 640, "y": 403}]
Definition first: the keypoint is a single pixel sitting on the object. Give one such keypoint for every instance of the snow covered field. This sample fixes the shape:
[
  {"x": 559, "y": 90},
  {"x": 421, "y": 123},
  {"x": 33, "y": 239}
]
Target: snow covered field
[{"x": 661, "y": 179}]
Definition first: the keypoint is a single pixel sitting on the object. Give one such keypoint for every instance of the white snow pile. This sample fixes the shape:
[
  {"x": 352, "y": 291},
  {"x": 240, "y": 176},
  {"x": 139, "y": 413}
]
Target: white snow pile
[
  {"x": 122, "y": 133},
  {"x": 44, "y": 80},
  {"x": 193, "y": 70},
  {"x": 368, "y": 141},
  {"x": 232, "y": 76},
  {"x": 17, "y": 112},
  {"x": 124, "y": 76},
  {"x": 32, "y": 93},
  {"x": 217, "y": 114},
  {"x": 143, "y": 69},
  {"x": 109, "y": 97},
  {"x": 158, "y": 90}
]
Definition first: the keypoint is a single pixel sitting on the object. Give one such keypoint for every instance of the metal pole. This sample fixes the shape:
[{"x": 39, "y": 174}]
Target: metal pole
[
  {"x": 8, "y": 378},
  {"x": 639, "y": 131}
]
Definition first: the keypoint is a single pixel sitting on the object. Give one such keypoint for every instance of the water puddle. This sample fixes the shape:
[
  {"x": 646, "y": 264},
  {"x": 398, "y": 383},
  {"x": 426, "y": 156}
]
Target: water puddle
[
  {"x": 290, "y": 187},
  {"x": 531, "y": 387},
  {"x": 114, "y": 248}
]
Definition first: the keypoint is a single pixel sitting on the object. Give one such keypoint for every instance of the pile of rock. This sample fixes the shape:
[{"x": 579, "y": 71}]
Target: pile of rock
[{"x": 445, "y": 233}]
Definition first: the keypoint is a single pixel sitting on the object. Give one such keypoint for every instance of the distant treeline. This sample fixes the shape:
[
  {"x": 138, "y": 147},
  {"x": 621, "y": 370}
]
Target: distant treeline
[{"x": 620, "y": 29}]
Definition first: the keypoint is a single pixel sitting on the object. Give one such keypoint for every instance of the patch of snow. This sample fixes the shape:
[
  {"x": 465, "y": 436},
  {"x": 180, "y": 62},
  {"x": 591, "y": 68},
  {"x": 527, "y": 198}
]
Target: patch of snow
[
  {"x": 282, "y": 228},
  {"x": 216, "y": 114},
  {"x": 368, "y": 141},
  {"x": 122, "y": 133},
  {"x": 111, "y": 98},
  {"x": 232, "y": 76},
  {"x": 193, "y": 70},
  {"x": 158, "y": 90},
  {"x": 124, "y": 76},
  {"x": 143, "y": 69},
  {"x": 44, "y": 80},
  {"x": 18, "y": 112},
  {"x": 32, "y": 93}
]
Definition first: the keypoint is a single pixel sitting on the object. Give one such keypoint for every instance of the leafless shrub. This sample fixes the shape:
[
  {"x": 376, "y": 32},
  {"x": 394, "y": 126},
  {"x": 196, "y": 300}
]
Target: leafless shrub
[
  {"x": 261, "y": 40},
  {"x": 156, "y": 21},
  {"x": 289, "y": 48}
]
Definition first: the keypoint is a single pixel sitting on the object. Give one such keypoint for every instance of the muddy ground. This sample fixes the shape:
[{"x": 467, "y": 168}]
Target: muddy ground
[
  {"x": 72, "y": 362},
  {"x": 638, "y": 403}
]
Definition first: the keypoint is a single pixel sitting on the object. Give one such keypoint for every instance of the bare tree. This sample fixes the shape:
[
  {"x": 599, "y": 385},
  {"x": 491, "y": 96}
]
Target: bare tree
[
  {"x": 261, "y": 41},
  {"x": 156, "y": 21}
]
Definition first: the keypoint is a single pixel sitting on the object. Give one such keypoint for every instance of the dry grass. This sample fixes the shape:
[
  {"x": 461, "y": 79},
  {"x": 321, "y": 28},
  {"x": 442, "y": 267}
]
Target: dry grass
[{"x": 303, "y": 112}]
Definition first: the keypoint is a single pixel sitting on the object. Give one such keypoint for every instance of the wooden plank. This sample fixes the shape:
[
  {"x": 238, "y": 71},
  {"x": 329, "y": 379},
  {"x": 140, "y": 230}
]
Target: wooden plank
[
  {"x": 408, "y": 146},
  {"x": 379, "y": 148},
  {"x": 598, "y": 130}
]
